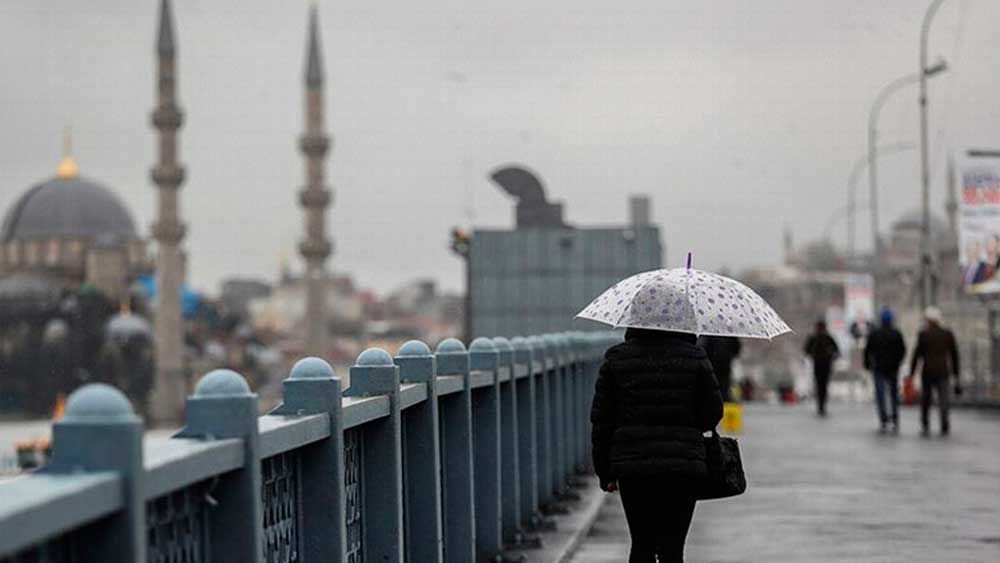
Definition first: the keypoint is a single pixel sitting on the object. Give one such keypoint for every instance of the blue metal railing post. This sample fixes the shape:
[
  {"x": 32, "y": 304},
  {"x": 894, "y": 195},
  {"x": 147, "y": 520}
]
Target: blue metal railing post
[
  {"x": 223, "y": 406},
  {"x": 510, "y": 428},
  {"x": 100, "y": 432},
  {"x": 374, "y": 373},
  {"x": 556, "y": 431},
  {"x": 527, "y": 434},
  {"x": 569, "y": 407},
  {"x": 422, "y": 457},
  {"x": 543, "y": 402},
  {"x": 456, "y": 445},
  {"x": 483, "y": 358},
  {"x": 313, "y": 388}
]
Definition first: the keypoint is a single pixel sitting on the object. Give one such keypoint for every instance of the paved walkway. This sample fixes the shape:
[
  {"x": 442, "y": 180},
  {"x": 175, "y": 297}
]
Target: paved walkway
[{"x": 835, "y": 490}]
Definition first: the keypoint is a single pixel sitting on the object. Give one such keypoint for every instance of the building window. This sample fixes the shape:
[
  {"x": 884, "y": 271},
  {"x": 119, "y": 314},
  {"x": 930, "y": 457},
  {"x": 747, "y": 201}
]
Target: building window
[
  {"x": 75, "y": 250},
  {"x": 52, "y": 252},
  {"x": 31, "y": 253}
]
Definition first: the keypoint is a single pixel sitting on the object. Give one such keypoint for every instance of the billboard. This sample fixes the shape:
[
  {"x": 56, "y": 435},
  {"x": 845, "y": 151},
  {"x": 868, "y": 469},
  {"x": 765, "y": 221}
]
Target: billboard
[{"x": 979, "y": 226}]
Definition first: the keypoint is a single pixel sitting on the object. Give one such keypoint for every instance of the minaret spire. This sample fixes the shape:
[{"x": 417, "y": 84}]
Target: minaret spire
[
  {"x": 314, "y": 56},
  {"x": 67, "y": 166},
  {"x": 315, "y": 197},
  {"x": 168, "y": 231},
  {"x": 165, "y": 37}
]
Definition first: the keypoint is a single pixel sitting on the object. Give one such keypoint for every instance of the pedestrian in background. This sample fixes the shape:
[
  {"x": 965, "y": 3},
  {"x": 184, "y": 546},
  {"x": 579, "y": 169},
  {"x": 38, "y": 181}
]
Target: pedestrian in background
[
  {"x": 721, "y": 351},
  {"x": 655, "y": 396},
  {"x": 823, "y": 350},
  {"x": 884, "y": 353},
  {"x": 937, "y": 355}
]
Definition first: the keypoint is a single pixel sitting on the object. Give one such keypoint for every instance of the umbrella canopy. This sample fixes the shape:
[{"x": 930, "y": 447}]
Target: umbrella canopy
[{"x": 686, "y": 300}]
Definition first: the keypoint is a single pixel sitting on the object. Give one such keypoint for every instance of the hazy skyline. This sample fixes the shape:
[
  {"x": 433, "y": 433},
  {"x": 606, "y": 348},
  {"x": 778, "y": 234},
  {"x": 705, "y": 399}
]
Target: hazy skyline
[{"x": 736, "y": 117}]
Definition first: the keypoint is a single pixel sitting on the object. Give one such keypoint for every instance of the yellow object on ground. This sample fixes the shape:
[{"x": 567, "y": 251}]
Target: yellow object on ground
[{"x": 732, "y": 418}]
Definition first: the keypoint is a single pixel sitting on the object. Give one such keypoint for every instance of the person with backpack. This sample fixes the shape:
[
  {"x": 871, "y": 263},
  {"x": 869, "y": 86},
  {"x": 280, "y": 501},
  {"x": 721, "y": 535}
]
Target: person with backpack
[
  {"x": 884, "y": 353},
  {"x": 823, "y": 350}
]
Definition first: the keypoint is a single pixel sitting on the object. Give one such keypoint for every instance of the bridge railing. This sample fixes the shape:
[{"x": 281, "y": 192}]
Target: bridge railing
[{"x": 456, "y": 455}]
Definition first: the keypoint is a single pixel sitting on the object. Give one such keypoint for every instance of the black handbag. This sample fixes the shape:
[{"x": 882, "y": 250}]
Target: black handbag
[{"x": 725, "y": 469}]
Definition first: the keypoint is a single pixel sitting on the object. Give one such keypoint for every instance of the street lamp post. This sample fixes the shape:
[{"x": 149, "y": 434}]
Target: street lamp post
[
  {"x": 873, "y": 115},
  {"x": 927, "y": 294},
  {"x": 870, "y": 160}
]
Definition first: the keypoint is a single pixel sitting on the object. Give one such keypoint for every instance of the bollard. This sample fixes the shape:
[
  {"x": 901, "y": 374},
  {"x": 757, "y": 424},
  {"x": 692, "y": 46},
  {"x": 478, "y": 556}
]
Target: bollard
[
  {"x": 223, "y": 406},
  {"x": 100, "y": 432},
  {"x": 312, "y": 387},
  {"x": 509, "y": 428},
  {"x": 374, "y": 373},
  {"x": 456, "y": 444},
  {"x": 483, "y": 358},
  {"x": 421, "y": 457}
]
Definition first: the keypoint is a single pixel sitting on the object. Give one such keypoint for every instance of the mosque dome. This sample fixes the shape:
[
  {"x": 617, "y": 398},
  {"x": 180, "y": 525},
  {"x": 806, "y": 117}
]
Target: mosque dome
[
  {"x": 914, "y": 220},
  {"x": 68, "y": 206}
]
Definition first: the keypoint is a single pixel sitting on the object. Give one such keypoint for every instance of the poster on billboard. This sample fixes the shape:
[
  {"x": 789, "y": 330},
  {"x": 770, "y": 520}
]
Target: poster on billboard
[{"x": 979, "y": 225}]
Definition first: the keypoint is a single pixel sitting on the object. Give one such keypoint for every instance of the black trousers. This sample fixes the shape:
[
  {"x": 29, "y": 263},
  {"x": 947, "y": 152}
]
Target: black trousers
[
  {"x": 659, "y": 512},
  {"x": 931, "y": 386},
  {"x": 822, "y": 377}
]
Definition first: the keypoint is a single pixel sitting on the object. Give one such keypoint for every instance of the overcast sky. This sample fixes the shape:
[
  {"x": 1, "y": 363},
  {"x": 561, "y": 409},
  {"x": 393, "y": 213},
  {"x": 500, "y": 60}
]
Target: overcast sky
[{"x": 737, "y": 117}]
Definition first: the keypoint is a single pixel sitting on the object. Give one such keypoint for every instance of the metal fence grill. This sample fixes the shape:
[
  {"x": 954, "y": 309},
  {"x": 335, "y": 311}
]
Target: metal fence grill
[
  {"x": 353, "y": 464},
  {"x": 61, "y": 549},
  {"x": 176, "y": 526},
  {"x": 280, "y": 495}
]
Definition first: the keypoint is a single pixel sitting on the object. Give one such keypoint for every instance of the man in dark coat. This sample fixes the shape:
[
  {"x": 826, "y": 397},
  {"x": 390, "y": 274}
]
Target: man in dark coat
[
  {"x": 655, "y": 396},
  {"x": 937, "y": 353},
  {"x": 722, "y": 350},
  {"x": 823, "y": 350},
  {"x": 884, "y": 353}
]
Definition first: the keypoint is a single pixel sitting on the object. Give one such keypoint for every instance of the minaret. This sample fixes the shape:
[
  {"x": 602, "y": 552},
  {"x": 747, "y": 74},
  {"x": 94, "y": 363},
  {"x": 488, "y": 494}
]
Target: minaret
[
  {"x": 167, "y": 401},
  {"x": 314, "y": 197}
]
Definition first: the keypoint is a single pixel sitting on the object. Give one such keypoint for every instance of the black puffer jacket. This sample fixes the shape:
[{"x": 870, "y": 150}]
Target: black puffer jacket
[{"x": 654, "y": 398}]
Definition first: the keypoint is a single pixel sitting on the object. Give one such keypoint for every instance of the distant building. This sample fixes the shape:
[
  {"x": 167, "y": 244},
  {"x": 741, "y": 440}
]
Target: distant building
[
  {"x": 69, "y": 255},
  {"x": 536, "y": 277},
  {"x": 237, "y": 293}
]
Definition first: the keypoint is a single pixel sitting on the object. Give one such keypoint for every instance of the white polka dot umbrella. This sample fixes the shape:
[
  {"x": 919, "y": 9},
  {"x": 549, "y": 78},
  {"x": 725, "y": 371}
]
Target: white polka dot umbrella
[{"x": 686, "y": 300}]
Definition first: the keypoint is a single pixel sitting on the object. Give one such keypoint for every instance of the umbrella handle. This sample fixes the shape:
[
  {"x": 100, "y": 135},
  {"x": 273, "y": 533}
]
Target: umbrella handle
[{"x": 689, "y": 261}]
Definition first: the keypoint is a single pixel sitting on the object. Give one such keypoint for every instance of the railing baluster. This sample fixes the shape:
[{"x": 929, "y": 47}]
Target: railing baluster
[
  {"x": 100, "y": 432},
  {"x": 223, "y": 406},
  {"x": 422, "y": 455},
  {"x": 526, "y": 435},
  {"x": 374, "y": 373},
  {"x": 483, "y": 358},
  {"x": 313, "y": 388},
  {"x": 543, "y": 403},
  {"x": 510, "y": 460},
  {"x": 457, "y": 473}
]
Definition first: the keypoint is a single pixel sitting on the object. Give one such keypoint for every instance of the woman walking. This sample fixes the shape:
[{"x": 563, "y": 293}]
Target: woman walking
[{"x": 655, "y": 396}]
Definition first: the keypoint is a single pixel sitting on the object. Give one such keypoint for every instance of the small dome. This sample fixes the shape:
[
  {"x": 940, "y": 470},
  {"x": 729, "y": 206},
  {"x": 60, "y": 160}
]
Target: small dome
[
  {"x": 125, "y": 325},
  {"x": 374, "y": 357},
  {"x": 312, "y": 368},
  {"x": 97, "y": 401},
  {"x": 414, "y": 348},
  {"x": 72, "y": 207}
]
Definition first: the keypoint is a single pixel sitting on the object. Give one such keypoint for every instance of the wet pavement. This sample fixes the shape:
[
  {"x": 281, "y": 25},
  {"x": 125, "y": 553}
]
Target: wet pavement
[{"x": 835, "y": 490}]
